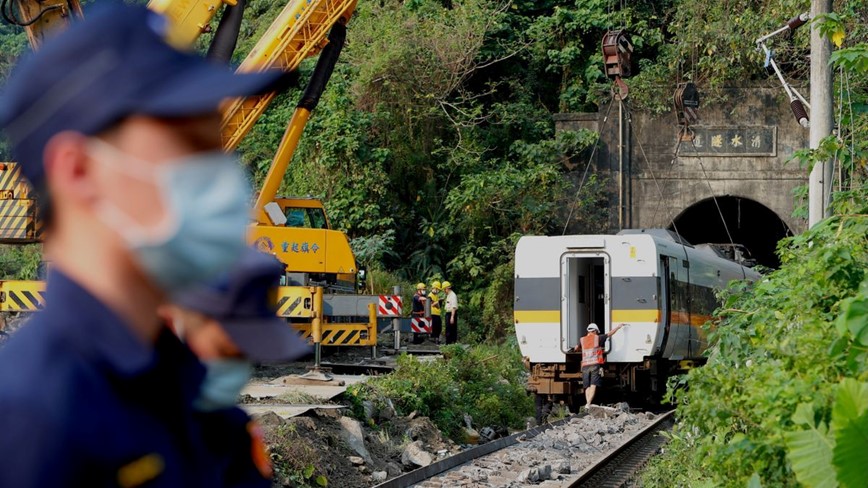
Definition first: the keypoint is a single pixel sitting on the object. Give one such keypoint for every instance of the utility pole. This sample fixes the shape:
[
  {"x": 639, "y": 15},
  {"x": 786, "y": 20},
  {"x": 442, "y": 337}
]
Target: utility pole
[{"x": 820, "y": 183}]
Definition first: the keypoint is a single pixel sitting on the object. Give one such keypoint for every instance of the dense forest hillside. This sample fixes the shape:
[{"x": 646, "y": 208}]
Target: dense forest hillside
[{"x": 434, "y": 146}]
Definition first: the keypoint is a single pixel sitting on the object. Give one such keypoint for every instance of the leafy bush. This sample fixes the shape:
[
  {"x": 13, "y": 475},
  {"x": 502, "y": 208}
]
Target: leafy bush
[
  {"x": 485, "y": 382},
  {"x": 19, "y": 262},
  {"x": 781, "y": 397}
]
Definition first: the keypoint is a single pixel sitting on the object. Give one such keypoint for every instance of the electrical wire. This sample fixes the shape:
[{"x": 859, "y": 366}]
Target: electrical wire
[
  {"x": 587, "y": 167},
  {"x": 713, "y": 196}
]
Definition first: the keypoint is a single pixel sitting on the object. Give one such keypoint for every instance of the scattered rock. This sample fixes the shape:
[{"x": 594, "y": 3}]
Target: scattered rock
[
  {"x": 414, "y": 455},
  {"x": 563, "y": 467},
  {"x": 369, "y": 409},
  {"x": 488, "y": 434},
  {"x": 545, "y": 472},
  {"x": 394, "y": 469},
  {"x": 358, "y": 461},
  {"x": 412, "y": 415},
  {"x": 471, "y": 436},
  {"x": 351, "y": 433},
  {"x": 379, "y": 476},
  {"x": 530, "y": 475},
  {"x": 623, "y": 407},
  {"x": 269, "y": 419}
]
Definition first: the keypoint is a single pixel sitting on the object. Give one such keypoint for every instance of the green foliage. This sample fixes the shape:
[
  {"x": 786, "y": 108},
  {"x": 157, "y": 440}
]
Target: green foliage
[
  {"x": 485, "y": 382},
  {"x": 779, "y": 391},
  {"x": 19, "y": 262}
]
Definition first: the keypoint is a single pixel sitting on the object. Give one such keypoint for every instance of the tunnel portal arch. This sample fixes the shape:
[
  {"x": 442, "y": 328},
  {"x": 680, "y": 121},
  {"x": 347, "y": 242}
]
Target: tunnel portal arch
[{"x": 750, "y": 223}]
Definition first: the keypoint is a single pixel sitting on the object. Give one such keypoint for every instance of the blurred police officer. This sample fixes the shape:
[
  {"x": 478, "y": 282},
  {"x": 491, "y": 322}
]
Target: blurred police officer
[
  {"x": 120, "y": 137},
  {"x": 230, "y": 324}
]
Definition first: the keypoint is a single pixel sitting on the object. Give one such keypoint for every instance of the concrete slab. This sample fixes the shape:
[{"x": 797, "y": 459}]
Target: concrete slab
[
  {"x": 287, "y": 411},
  {"x": 326, "y": 390}
]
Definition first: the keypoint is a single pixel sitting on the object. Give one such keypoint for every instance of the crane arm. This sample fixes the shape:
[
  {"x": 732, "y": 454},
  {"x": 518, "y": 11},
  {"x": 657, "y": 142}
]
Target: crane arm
[
  {"x": 39, "y": 19},
  {"x": 298, "y": 32}
]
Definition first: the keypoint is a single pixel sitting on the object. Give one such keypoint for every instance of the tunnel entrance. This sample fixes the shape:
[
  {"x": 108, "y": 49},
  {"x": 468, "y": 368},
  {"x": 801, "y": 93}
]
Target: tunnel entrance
[{"x": 750, "y": 223}]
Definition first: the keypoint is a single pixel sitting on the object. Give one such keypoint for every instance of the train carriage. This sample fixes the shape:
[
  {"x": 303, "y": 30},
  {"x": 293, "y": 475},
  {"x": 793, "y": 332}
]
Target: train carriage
[{"x": 651, "y": 279}]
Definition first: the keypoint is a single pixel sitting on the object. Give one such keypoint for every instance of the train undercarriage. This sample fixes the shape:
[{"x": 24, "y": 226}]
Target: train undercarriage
[{"x": 559, "y": 385}]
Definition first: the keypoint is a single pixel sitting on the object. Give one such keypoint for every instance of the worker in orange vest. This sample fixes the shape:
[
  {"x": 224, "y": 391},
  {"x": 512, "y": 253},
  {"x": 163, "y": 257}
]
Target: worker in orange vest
[{"x": 593, "y": 359}]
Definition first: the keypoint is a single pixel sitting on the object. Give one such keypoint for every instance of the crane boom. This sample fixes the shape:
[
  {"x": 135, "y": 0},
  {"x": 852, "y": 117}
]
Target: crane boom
[{"x": 298, "y": 32}]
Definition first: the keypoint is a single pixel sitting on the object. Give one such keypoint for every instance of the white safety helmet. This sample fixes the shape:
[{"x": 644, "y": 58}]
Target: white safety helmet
[{"x": 593, "y": 327}]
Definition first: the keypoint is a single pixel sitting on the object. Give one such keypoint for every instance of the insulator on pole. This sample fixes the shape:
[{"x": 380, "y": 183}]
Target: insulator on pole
[{"x": 800, "y": 112}]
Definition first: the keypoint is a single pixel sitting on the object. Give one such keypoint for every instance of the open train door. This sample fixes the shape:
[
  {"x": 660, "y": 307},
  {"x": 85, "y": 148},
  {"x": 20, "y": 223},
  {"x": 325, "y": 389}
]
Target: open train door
[{"x": 585, "y": 285}]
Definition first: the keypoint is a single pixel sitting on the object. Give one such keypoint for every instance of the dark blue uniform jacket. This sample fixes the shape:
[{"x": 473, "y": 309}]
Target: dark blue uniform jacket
[{"x": 85, "y": 403}]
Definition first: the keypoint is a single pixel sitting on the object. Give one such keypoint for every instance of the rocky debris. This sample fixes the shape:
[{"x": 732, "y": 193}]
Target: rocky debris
[
  {"x": 414, "y": 455},
  {"x": 351, "y": 433},
  {"x": 471, "y": 436},
  {"x": 356, "y": 460},
  {"x": 530, "y": 475},
  {"x": 370, "y": 411},
  {"x": 553, "y": 456},
  {"x": 379, "y": 476},
  {"x": 487, "y": 434}
]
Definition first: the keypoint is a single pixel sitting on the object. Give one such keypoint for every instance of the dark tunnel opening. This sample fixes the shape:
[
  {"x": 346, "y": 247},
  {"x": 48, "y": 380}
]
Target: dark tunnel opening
[{"x": 750, "y": 223}]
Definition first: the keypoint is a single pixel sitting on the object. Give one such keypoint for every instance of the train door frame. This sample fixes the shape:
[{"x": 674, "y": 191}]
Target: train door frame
[
  {"x": 665, "y": 302},
  {"x": 571, "y": 330}
]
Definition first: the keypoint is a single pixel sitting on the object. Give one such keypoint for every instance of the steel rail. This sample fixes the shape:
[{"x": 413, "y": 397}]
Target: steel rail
[
  {"x": 418, "y": 475},
  {"x": 618, "y": 466}
]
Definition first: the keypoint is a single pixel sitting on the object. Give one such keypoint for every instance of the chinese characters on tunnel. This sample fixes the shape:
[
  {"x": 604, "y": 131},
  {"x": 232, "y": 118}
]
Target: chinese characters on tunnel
[{"x": 732, "y": 141}]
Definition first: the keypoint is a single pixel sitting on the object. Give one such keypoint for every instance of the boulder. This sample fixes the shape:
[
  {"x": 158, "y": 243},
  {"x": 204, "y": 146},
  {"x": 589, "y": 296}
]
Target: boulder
[
  {"x": 563, "y": 467},
  {"x": 379, "y": 476},
  {"x": 351, "y": 433},
  {"x": 414, "y": 455}
]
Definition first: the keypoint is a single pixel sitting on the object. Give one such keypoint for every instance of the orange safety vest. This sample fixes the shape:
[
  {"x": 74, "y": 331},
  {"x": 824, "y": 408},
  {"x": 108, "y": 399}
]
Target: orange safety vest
[{"x": 592, "y": 351}]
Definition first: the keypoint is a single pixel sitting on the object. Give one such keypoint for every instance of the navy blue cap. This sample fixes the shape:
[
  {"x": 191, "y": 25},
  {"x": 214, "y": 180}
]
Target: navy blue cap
[
  {"x": 104, "y": 68},
  {"x": 240, "y": 300}
]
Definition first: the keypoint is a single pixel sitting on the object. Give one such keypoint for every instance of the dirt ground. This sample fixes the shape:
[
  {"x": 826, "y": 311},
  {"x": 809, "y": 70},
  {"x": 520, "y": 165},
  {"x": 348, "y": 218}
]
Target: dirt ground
[
  {"x": 315, "y": 444},
  {"x": 318, "y": 440}
]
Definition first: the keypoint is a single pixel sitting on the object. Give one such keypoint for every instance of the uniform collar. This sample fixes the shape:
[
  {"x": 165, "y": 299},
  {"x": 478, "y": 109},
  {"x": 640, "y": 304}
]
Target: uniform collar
[{"x": 101, "y": 335}]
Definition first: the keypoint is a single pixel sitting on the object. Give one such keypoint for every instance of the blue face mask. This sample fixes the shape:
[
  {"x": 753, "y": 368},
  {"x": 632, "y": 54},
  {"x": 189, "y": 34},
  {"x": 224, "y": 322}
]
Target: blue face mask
[
  {"x": 224, "y": 380},
  {"x": 205, "y": 197}
]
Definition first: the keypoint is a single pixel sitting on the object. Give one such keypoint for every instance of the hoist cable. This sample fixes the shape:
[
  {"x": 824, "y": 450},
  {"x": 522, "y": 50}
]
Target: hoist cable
[
  {"x": 651, "y": 170},
  {"x": 587, "y": 167},
  {"x": 713, "y": 196}
]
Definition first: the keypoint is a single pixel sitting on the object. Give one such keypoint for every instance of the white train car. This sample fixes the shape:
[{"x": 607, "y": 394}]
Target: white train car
[{"x": 662, "y": 287}]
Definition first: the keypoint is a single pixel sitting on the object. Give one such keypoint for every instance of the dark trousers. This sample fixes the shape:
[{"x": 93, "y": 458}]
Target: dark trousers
[
  {"x": 451, "y": 329},
  {"x": 436, "y": 327}
]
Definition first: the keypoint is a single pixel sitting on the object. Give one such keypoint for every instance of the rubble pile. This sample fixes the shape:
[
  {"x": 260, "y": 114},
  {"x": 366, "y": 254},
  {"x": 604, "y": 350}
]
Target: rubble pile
[{"x": 552, "y": 457}]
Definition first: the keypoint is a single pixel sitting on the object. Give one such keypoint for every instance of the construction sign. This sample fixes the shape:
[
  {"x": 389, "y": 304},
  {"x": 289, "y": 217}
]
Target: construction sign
[
  {"x": 421, "y": 325},
  {"x": 389, "y": 306}
]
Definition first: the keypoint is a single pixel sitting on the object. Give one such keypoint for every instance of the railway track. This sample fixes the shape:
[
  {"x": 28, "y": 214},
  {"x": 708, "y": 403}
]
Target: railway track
[
  {"x": 506, "y": 461},
  {"x": 621, "y": 465}
]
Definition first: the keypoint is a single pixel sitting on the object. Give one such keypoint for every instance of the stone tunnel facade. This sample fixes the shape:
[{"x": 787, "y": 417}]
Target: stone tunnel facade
[{"x": 737, "y": 166}]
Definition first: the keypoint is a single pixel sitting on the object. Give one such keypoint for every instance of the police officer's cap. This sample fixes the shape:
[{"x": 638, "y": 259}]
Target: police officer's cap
[{"x": 240, "y": 300}]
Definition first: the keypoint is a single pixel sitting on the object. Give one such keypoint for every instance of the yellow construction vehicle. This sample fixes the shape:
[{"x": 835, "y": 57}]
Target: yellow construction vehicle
[{"x": 296, "y": 230}]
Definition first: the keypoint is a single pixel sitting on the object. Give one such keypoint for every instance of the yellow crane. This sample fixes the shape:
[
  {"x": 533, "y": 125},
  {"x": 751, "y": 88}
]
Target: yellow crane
[{"x": 296, "y": 230}]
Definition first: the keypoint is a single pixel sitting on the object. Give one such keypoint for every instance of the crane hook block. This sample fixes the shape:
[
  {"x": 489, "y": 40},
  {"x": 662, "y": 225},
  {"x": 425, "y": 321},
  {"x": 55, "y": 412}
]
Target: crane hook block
[
  {"x": 617, "y": 49},
  {"x": 687, "y": 103}
]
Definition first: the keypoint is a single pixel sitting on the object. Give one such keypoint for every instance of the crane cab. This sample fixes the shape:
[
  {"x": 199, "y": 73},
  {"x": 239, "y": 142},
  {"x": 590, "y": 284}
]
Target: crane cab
[{"x": 301, "y": 237}]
